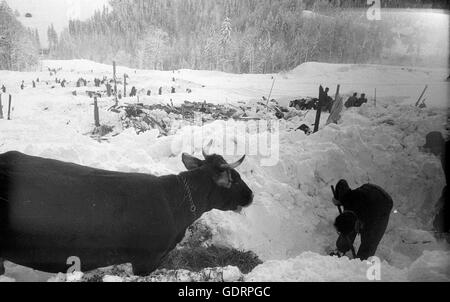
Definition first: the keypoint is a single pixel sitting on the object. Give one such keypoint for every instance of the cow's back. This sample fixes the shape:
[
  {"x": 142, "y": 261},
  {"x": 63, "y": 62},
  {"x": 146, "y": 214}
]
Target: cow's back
[{"x": 51, "y": 210}]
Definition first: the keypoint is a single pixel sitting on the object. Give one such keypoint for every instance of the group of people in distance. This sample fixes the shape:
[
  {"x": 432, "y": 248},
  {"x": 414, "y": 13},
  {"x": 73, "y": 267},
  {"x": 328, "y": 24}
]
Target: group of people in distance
[{"x": 354, "y": 101}]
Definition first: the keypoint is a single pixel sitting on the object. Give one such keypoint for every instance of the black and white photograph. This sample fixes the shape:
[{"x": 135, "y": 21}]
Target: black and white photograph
[{"x": 226, "y": 141}]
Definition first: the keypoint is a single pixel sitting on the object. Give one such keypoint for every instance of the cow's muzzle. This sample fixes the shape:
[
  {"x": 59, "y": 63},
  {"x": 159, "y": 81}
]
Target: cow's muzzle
[{"x": 240, "y": 208}]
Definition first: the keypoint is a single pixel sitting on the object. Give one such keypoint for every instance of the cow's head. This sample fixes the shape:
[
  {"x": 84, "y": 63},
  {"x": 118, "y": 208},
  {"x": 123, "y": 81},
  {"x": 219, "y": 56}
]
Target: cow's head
[{"x": 229, "y": 192}]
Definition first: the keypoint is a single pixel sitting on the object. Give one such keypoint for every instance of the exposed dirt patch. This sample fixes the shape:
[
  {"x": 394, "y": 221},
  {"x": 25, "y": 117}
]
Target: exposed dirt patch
[{"x": 198, "y": 258}]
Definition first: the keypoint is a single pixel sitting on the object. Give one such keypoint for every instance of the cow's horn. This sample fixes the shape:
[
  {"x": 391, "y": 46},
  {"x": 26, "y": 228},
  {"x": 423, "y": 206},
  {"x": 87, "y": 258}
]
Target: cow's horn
[
  {"x": 208, "y": 146},
  {"x": 234, "y": 165}
]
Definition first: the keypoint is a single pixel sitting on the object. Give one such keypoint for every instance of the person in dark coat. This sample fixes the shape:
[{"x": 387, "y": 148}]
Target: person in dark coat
[
  {"x": 361, "y": 100},
  {"x": 3, "y": 88},
  {"x": 329, "y": 104},
  {"x": 351, "y": 101},
  {"x": 325, "y": 101},
  {"x": 436, "y": 145},
  {"x": 441, "y": 221},
  {"x": 366, "y": 212},
  {"x": 133, "y": 91},
  {"x": 305, "y": 129},
  {"x": 108, "y": 89},
  {"x": 160, "y": 90}
]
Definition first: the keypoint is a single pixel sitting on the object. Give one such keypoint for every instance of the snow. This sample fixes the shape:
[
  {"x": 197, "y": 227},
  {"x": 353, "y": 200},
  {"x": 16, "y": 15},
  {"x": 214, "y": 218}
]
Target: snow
[
  {"x": 289, "y": 225},
  {"x": 311, "y": 267},
  {"x": 109, "y": 278},
  {"x": 403, "y": 83},
  {"x": 431, "y": 266},
  {"x": 6, "y": 279}
]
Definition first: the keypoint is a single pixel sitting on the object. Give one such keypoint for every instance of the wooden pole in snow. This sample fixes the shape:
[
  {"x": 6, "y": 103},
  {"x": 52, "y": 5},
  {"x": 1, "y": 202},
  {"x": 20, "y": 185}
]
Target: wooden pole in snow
[
  {"x": 124, "y": 85},
  {"x": 270, "y": 93},
  {"x": 96, "y": 114},
  {"x": 337, "y": 92},
  {"x": 9, "y": 107},
  {"x": 319, "y": 110},
  {"x": 420, "y": 97},
  {"x": 375, "y": 98},
  {"x": 115, "y": 81},
  {"x": 1, "y": 107}
]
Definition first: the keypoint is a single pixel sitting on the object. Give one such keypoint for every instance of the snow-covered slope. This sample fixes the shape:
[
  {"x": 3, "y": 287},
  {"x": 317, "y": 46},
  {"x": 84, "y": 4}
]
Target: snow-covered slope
[
  {"x": 403, "y": 83},
  {"x": 289, "y": 225}
]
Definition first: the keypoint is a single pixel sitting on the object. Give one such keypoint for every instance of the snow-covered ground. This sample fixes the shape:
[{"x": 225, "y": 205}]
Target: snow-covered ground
[{"x": 289, "y": 225}]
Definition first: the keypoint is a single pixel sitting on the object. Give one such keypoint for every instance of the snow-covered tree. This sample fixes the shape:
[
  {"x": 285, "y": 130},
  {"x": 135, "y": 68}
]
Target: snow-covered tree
[
  {"x": 18, "y": 49},
  {"x": 153, "y": 49}
]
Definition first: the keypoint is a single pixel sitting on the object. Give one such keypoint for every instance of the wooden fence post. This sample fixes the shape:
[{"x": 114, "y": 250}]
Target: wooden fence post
[
  {"x": 319, "y": 109},
  {"x": 124, "y": 85},
  {"x": 318, "y": 114},
  {"x": 1, "y": 107},
  {"x": 9, "y": 107},
  {"x": 375, "y": 98},
  {"x": 96, "y": 115},
  {"x": 115, "y": 81}
]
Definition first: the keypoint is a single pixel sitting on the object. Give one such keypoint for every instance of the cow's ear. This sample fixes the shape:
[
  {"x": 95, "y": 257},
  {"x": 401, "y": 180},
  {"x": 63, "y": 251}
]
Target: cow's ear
[{"x": 191, "y": 162}]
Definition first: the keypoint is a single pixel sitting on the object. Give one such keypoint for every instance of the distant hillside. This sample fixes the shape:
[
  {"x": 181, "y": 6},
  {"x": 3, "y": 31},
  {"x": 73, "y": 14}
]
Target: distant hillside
[
  {"x": 19, "y": 46},
  {"x": 250, "y": 36},
  {"x": 56, "y": 12}
]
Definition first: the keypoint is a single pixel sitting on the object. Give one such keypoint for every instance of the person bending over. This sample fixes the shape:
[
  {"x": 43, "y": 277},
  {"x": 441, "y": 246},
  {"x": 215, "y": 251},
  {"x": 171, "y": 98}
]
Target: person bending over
[{"x": 366, "y": 212}]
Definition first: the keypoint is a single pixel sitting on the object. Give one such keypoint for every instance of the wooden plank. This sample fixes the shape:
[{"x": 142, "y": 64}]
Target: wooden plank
[
  {"x": 338, "y": 105},
  {"x": 335, "y": 114},
  {"x": 337, "y": 91},
  {"x": 270, "y": 93},
  {"x": 420, "y": 97}
]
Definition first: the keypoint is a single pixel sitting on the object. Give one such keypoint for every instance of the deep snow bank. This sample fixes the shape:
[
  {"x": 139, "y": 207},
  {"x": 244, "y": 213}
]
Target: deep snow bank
[{"x": 293, "y": 213}]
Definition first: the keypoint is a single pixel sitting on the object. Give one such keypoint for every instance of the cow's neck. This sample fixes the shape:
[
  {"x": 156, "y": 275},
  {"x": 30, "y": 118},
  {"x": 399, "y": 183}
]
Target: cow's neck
[{"x": 200, "y": 186}]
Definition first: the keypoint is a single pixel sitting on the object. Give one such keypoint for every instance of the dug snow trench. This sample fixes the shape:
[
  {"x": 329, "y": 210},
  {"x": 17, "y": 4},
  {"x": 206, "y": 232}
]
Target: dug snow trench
[{"x": 289, "y": 225}]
